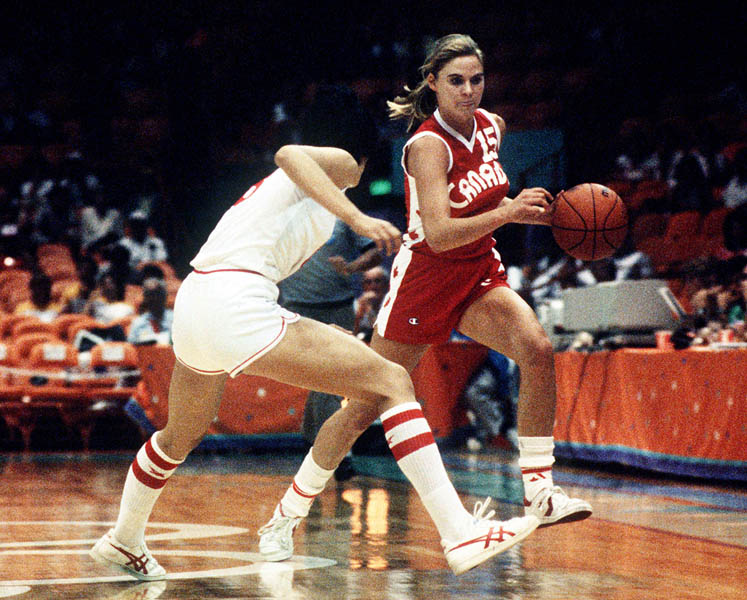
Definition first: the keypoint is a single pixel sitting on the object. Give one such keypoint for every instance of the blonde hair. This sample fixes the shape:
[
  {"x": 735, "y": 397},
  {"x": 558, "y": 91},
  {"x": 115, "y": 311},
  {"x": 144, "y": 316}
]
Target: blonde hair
[{"x": 419, "y": 104}]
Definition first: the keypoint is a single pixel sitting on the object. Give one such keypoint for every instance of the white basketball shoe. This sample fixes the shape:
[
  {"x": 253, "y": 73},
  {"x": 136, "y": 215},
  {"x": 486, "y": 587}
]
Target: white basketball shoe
[
  {"x": 552, "y": 506},
  {"x": 137, "y": 562},
  {"x": 486, "y": 538},
  {"x": 276, "y": 537}
]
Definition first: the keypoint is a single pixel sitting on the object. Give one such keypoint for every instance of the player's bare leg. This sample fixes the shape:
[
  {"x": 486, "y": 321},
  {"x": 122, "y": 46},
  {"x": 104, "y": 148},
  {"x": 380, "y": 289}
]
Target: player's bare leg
[
  {"x": 194, "y": 400},
  {"x": 193, "y": 403},
  {"x": 503, "y": 321},
  {"x": 407, "y": 355},
  {"x": 316, "y": 356}
]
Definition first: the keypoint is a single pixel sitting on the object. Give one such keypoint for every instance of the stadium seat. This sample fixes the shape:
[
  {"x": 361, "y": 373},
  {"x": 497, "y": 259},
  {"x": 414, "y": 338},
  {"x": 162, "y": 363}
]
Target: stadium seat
[
  {"x": 114, "y": 354},
  {"x": 63, "y": 323},
  {"x": 683, "y": 224},
  {"x": 623, "y": 188},
  {"x": 22, "y": 345},
  {"x": 651, "y": 191},
  {"x": 31, "y": 325},
  {"x": 56, "y": 261},
  {"x": 76, "y": 327},
  {"x": 542, "y": 115},
  {"x": 498, "y": 87},
  {"x": 713, "y": 222},
  {"x": 513, "y": 114},
  {"x": 116, "y": 368},
  {"x": 537, "y": 86},
  {"x": 57, "y": 270},
  {"x": 51, "y": 360},
  {"x": 660, "y": 249},
  {"x": 684, "y": 249},
  {"x": 7, "y": 321},
  {"x": 576, "y": 82},
  {"x": 55, "y": 355},
  {"x": 648, "y": 225}
]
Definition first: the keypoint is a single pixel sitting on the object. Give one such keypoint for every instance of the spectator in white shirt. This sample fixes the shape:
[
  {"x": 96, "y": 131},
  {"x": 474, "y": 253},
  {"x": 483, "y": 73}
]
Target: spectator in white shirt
[
  {"x": 153, "y": 325},
  {"x": 142, "y": 245},
  {"x": 99, "y": 221}
]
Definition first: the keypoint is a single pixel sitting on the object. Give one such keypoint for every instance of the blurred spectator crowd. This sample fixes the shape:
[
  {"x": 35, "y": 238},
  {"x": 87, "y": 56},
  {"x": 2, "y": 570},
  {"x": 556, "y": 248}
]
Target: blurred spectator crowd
[{"x": 124, "y": 134}]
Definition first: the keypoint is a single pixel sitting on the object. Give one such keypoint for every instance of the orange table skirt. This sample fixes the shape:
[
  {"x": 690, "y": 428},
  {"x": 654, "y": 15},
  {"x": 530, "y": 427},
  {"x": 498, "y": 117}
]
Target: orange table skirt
[{"x": 683, "y": 412}]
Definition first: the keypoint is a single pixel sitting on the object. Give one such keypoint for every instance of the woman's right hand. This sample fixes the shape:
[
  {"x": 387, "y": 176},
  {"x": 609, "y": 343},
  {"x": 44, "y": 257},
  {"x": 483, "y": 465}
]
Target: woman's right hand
[
  {"x": 532, "y": 206},
  {"x": 386, "y": 236}
]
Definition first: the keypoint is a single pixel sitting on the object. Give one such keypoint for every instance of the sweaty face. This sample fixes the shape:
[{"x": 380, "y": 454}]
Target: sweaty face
[{"x": 459, "y": 87}]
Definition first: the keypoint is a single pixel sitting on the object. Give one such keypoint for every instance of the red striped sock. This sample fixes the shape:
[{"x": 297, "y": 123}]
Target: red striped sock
[
  {"x": 411, "y": 441},
  {"x": 147, "y": 475},
  {"x": 306, "y": 486},
  {"x": 535, "y": 460}
]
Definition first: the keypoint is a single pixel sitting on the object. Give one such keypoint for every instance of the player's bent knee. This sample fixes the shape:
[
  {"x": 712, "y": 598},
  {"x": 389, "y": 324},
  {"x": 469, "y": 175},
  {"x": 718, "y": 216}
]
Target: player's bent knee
[
  {"x": 537, "y": 351},
  {"x": 180, "y": 444},
  {"x": 399, "y": 382},
  {"x": 360, "y": 415}
]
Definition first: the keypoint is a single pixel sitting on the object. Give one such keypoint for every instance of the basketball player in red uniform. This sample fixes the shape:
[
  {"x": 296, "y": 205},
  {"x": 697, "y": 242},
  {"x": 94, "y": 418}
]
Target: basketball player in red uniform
[{"x": 448, "y": 274}]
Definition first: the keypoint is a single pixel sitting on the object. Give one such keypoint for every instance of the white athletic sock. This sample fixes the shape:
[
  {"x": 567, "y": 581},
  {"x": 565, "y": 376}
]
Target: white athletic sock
[
  {"x": 411, "y": 441},
  {"x": 145, "y": 479},
  {"x": 307, "y": 485},
  {"x": 535, "y": 461}
]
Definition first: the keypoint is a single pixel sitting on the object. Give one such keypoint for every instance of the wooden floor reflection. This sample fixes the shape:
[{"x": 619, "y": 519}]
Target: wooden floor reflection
[{"x": 369, "y": 538}]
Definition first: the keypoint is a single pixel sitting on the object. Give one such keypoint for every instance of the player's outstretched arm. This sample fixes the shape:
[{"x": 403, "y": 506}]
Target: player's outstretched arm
[{"x": 321, "y": 173}]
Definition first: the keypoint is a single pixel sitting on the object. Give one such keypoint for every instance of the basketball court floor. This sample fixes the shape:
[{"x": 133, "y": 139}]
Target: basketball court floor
[{"x": 367, "y": 538}]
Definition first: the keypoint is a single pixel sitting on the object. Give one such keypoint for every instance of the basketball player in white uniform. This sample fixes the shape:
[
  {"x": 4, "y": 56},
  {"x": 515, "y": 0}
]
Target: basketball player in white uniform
[{"x": 227, "y": 322}]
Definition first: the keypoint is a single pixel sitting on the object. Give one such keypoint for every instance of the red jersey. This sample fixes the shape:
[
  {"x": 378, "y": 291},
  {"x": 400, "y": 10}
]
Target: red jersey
[{"x": 476, "y": 180}]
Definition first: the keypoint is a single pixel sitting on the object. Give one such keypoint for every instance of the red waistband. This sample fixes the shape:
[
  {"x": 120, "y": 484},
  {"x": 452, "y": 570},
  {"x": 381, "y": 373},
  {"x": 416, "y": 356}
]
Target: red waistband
[{"x": 228, "y": 271}]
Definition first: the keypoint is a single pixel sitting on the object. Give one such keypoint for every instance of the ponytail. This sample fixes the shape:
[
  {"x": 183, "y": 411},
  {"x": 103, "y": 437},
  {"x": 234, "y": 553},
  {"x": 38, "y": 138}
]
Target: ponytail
[{"x": 419, "y": 104}]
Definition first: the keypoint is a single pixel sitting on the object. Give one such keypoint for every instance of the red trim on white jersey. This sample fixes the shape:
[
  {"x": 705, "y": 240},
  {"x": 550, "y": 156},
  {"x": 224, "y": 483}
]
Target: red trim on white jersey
[{"x": 227, "y": 271}]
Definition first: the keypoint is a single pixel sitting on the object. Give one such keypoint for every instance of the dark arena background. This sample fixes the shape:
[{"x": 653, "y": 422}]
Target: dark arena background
[{"x": 160, "y": 115}]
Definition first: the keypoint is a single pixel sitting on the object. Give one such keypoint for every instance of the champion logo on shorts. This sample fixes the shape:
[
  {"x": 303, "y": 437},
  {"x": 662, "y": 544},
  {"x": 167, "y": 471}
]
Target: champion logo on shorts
[
  {"x": 413, "y": 321},
  {"x": 488, "y": 281}
]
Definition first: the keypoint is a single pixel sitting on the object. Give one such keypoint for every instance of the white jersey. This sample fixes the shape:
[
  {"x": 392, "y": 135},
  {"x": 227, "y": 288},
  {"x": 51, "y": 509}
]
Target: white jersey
[{"x": 272, "y": 230}]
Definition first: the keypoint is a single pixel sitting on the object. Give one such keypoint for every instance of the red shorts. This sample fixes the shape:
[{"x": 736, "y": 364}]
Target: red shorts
[{"x": 428, "y": 295}]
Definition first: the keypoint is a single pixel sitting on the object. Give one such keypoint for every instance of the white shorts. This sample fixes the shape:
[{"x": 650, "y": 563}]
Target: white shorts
[{"x": 225, "y": 319}]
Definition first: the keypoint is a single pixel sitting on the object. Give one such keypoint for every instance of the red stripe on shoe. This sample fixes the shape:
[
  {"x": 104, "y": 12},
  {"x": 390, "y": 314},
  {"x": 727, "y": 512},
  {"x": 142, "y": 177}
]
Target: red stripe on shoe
[
  {"x": 403, "y": 417},
  {"x": 301, "y": 493},
  {"x": 536, "y": 470},
  {"x": 412, "y": 444},
  {"x": 492, "y": 535},
  {"x": 145, "y": 478},
  {"x": 157, "y": 459}
]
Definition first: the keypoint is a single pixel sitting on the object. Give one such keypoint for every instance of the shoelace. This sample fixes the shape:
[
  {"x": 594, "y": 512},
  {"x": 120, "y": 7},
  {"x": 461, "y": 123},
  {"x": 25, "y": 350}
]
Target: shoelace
[
  {"x": 480, "y": 508},
  {"x": 543, "y": 495},
  {"x": 278, "y": 525}
]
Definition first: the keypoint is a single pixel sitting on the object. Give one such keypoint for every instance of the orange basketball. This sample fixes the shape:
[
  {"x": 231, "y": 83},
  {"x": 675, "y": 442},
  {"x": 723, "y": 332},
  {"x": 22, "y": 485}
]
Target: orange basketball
[{"x": 590, "y": 221}]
